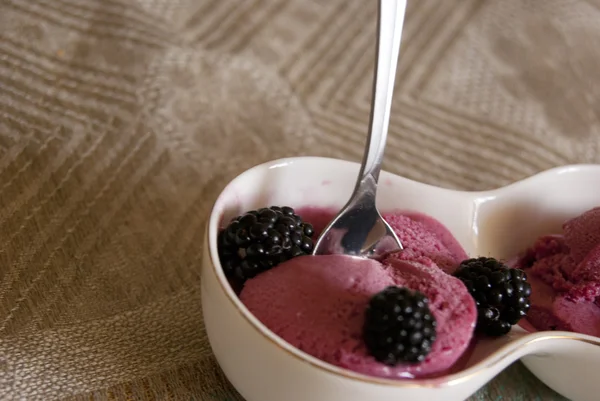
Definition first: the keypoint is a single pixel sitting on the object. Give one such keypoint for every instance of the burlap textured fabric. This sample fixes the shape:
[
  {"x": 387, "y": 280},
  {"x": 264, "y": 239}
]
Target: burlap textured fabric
[{"x": 121, "y": 120}]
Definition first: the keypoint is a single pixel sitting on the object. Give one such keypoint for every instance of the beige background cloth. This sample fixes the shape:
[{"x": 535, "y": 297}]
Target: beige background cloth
[{"x": 121, "y": 120}]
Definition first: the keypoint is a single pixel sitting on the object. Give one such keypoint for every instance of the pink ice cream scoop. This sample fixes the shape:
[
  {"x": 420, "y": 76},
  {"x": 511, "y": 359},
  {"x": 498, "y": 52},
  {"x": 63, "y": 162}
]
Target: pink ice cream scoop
[
  {"x": 318, "y": 303},
  {"x": 425, "y": 237},
  {"x": 421, "y": 236},
  {"x": 564, "y": 273}
]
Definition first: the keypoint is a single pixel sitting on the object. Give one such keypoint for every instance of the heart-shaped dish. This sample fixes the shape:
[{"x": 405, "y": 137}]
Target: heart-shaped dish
[{"x": 499, "y": 223}]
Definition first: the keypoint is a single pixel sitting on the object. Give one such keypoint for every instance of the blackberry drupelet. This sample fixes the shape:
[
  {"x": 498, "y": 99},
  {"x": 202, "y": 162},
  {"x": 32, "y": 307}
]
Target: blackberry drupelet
[
  {"x": 399, "y": 326},
  {"x": 261, "y": 239},
  {"x": 501, "y": 293}
]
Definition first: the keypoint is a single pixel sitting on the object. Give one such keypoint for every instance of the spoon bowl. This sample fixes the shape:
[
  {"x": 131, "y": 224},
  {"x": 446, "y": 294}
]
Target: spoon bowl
[
  {"x": 358, "y": 229},
  {"x": 501, "y": 222}
]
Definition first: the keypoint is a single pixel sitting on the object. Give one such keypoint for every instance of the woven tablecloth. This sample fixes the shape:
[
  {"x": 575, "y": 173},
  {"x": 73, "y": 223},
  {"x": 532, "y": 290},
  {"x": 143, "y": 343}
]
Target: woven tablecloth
[{"x": 121, "y": 120}]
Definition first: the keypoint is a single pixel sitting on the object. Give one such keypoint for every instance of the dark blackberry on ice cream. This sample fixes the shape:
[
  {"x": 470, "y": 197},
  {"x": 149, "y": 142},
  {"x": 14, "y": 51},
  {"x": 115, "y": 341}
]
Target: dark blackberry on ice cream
[
  {"x": 399, "y": 327},
  {"x": 501, "y": 293},
  {"x": 261, "y": 239}
]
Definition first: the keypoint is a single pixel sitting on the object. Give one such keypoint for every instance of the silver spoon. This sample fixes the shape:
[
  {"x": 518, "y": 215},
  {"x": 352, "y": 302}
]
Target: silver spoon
[{"x": 358, "y": 229}]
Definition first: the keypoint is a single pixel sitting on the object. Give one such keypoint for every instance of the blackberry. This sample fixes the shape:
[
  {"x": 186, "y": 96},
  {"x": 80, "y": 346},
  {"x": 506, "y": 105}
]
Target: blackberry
[
  {"x": 399, "y": 327},
  {"x": 501, "y": 293},
  {"x": 261, "y": 239}
]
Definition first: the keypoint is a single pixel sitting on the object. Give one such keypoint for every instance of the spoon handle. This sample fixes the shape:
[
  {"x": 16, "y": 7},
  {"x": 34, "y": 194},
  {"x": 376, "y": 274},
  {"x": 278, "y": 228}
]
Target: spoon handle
[{"x": 389, "y": 32}]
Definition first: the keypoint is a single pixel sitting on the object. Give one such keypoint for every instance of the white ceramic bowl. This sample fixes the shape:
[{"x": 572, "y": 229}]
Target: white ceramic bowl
[{"x": 263, "y": 367}]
